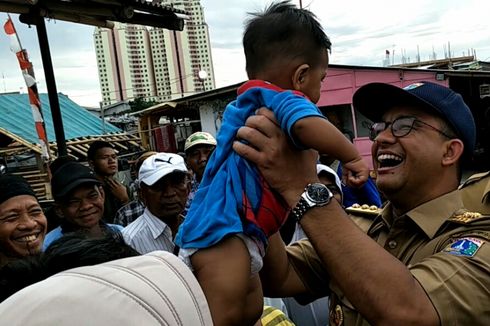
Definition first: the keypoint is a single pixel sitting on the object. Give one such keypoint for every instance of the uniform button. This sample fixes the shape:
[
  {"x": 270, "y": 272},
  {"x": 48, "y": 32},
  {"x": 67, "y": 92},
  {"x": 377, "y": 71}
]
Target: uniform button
[{"x": 392, "y": 244}]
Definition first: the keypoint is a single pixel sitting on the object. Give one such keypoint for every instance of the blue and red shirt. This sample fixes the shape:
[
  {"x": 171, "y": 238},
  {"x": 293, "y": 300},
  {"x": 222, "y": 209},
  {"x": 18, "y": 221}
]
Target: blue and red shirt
[{"x": 233, "y": 197}]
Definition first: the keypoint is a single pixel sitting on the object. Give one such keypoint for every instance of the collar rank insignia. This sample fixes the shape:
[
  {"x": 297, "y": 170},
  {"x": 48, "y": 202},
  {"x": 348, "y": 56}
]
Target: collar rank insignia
[
  {"x": 465, "y": 217},
  {"x": 337, "y": 316},
  {"x": 363, "y": 209},
  {"x": 466, "y": 247}
]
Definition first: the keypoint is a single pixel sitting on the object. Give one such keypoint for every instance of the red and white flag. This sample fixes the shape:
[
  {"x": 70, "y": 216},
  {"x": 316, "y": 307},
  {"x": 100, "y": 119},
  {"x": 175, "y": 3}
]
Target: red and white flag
[{"x": 30, "y": 79}]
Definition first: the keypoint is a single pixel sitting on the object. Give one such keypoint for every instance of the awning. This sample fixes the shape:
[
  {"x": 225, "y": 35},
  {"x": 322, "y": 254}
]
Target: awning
[{"x": 100, "y": 12}]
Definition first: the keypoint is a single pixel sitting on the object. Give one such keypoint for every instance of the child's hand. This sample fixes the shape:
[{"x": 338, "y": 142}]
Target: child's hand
[{"x": 355, "y": 173}]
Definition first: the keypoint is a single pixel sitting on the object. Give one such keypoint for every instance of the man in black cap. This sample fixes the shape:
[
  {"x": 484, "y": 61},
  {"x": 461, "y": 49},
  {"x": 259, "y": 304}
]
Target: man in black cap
[
  {"x": 79, "y": 202},
  {"x": 424, "y": 260},
  {"x": 22, "y": 221}
]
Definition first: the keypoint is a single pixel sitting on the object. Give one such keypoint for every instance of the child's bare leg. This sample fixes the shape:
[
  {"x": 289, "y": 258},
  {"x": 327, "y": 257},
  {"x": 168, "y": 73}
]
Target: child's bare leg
[
  {"x": 223, "y": 271},
  {"x": 255, "y": 298}
]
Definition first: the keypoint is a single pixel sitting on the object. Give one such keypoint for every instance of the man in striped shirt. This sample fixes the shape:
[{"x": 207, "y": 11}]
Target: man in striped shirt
[{"x": 165, "y": 185}]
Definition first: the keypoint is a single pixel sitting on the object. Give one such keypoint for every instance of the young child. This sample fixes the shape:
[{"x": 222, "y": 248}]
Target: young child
[{"x": 234, "y": 211}]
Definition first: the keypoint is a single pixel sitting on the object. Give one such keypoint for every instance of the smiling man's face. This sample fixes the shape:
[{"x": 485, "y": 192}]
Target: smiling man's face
[
  {"x": 83, "y": 207},
  {"x": 22, "y": 226},
  {"x": 408, "y": 165}
]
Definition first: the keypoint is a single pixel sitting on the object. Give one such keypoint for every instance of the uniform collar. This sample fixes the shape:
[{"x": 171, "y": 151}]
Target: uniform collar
[
  {"x": 438, "y": 210},
  {"x": 429, "y": 217}
]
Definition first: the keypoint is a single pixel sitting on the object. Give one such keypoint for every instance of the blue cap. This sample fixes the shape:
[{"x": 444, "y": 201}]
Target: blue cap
[{"x": 373, "y": 99}]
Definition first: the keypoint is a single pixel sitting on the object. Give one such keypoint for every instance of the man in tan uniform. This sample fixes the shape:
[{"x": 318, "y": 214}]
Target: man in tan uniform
[
  {"x": 424, "y": 260},
  {"x": 475, "y": 192}
]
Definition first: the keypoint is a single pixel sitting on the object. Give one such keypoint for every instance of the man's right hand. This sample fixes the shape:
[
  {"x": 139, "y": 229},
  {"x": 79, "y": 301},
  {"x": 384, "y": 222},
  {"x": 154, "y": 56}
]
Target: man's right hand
[
  {"x": 118, "y": 189},
  {"x": 285, "y": 168}
]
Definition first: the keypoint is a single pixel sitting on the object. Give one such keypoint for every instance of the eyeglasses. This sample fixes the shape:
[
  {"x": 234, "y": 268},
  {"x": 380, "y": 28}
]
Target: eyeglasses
[{"x": 400, "y": 127}]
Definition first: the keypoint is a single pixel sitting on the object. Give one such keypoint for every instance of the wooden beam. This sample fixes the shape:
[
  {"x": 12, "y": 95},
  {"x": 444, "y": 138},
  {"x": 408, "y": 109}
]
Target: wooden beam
[{"x": 32, "y": 147}]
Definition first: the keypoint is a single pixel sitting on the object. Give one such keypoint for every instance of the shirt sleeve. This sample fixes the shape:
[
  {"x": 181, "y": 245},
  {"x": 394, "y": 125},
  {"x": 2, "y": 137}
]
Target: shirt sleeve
[
  {"x": 457, "y": 282},
  {"x": 305, "y": 261},
  {"x": 289, "y": 108}
]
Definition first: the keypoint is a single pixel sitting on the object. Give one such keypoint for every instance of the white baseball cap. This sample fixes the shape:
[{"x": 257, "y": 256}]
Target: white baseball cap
[
  {"x": 154, "y": 289},
  {"x": 159, "y": 165}
]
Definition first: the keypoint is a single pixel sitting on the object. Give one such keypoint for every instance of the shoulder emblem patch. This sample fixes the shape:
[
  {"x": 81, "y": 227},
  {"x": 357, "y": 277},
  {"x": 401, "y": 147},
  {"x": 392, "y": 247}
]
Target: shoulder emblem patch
[
  {"x": 466, "y": 247},
  {"x": 465, "y": 217},
  {"x": 364, "y": 209}
]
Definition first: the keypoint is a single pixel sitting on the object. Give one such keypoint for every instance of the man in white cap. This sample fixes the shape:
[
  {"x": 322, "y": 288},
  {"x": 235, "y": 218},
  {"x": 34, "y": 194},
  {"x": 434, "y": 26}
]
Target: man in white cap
[
  {"x": 165, "y": 185},
  {"x": 198, "y": 148}
]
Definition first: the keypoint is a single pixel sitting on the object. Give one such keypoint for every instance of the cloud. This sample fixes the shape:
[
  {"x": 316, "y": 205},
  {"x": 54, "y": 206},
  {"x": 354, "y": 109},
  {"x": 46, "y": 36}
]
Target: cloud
[{"x": 360, "y": 31}]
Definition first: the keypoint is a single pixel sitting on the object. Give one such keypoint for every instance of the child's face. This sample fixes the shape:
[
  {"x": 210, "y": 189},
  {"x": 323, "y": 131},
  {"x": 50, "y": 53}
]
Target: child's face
[{"x": 313, "y": 81}]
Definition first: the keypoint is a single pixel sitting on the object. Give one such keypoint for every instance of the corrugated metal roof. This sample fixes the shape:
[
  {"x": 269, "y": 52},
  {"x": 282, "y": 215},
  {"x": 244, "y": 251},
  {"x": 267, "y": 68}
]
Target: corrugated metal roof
[{"x": 16, "y": 117}]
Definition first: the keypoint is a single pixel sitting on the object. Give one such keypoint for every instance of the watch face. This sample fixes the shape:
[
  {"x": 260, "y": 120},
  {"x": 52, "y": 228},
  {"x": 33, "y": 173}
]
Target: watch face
[{"x": 318, "y": 193}]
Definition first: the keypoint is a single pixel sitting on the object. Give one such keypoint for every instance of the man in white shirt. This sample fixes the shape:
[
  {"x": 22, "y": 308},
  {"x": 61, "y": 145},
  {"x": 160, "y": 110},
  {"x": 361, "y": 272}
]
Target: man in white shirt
[{"x": 165, "y": 185}]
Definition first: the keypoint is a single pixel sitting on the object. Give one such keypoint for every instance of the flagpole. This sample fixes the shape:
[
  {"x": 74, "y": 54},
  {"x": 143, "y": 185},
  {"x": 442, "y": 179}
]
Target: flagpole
[
  {"x": 51, "y": 86},
  {"x": 30, "y": 80}
]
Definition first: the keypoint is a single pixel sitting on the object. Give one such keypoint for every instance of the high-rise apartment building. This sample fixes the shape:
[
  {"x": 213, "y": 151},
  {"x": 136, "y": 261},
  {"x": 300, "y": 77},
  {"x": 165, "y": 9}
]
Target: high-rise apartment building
[{"x": 154, "y": 63}]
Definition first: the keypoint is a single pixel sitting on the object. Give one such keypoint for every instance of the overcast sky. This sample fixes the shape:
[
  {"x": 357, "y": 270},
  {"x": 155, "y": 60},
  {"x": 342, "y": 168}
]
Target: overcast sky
[{"x": 361, "y": 32}]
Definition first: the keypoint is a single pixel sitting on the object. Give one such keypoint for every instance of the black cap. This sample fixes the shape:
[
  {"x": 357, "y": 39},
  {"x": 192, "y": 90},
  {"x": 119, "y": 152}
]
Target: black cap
[
  {"x": 69, "y": 176},
  {"x": 373, "y": 99},
  {"x": 14, "y": 185}
]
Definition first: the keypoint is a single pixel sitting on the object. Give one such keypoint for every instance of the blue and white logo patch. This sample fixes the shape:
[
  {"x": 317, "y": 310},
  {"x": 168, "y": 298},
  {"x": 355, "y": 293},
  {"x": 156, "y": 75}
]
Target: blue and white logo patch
[
  {"x": 412, "y": 86},
  {"x": 466, "y": 247}
]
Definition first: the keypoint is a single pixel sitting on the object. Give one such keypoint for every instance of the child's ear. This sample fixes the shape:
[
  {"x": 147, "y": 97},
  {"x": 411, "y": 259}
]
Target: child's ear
[{"x": 299, "y": 76}]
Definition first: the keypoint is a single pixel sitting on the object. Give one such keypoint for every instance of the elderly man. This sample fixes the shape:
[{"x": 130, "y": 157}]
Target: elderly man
[
  {"x": 22, "y": 221},
  {"x": 198, "y": 148},
  {"x": 164, "y": 187},
  {"x": 424, "y": 259},
  {"x": 79, "y": 202}
]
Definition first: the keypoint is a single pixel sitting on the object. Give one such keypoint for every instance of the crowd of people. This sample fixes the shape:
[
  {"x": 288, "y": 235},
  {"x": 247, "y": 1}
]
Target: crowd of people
[{"x": 254, "y": 227}]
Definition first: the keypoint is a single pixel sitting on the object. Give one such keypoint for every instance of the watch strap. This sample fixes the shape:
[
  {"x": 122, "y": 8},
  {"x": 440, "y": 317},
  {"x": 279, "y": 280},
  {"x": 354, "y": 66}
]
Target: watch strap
[
  {"x": 300, "y": 209},
  {"x": 305, "y": 202}
]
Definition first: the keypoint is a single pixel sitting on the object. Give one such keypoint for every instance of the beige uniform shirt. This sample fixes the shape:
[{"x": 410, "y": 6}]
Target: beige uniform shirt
[
  {"x": 445, "y": 250},
  {"x": 475, "y": 193}
]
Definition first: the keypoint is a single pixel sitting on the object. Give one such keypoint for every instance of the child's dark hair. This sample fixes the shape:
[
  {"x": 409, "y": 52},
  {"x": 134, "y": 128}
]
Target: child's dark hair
[
  {"x": 282, "y": 31},
  {"x": 95, "y": 146}
]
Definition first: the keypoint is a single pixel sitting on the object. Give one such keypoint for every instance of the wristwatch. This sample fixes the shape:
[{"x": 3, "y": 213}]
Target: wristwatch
[{"x": 315, "y": 195}]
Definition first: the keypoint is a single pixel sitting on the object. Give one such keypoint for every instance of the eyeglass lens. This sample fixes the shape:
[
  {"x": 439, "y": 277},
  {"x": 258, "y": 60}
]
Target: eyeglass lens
[{"x": 400, "y": 127}]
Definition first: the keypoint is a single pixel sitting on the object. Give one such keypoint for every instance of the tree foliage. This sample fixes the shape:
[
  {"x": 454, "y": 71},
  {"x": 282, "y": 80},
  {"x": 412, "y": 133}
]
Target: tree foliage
[{"x": 140, "y": 103}]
